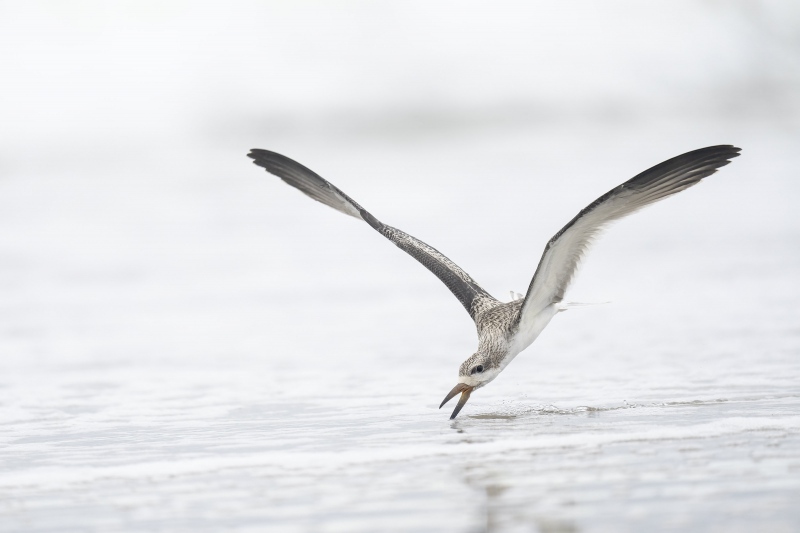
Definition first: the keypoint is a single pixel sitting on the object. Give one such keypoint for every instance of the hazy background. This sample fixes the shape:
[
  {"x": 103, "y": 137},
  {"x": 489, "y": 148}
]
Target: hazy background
[{"x": 188, "y": 344}]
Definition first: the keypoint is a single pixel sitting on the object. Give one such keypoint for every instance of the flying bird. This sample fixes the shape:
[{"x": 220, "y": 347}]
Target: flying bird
[{"x": 506, "y": 328}]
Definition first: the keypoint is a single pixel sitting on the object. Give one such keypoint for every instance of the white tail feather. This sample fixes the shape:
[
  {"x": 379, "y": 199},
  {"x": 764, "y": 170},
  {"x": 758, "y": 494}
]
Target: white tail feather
[{"x": 563, "y": 306}]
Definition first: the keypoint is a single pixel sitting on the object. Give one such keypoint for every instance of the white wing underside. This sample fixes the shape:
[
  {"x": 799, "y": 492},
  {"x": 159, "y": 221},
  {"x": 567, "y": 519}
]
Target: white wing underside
[
  {"x": 563, "y": 253},
  {"x": 559, "y": 263}
]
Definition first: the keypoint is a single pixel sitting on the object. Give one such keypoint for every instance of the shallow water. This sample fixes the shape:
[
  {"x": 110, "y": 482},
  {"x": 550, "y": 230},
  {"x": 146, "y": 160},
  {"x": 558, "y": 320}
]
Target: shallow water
[{"x": 206, "y": 350}]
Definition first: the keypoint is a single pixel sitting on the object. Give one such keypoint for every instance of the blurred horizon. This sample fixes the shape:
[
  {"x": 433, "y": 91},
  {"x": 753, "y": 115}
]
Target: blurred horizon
[{"x": 117, "y": 72}]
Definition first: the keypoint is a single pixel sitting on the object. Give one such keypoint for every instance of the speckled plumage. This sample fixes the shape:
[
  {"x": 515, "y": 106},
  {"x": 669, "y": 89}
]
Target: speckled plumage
[
  {"x": 496, "y": 324},
  {"x": 505, "y": 329}
]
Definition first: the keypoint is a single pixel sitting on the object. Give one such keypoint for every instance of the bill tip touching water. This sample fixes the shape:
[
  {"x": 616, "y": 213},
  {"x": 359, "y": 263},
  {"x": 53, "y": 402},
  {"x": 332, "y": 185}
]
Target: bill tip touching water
[{"x": 506, "y": 328}]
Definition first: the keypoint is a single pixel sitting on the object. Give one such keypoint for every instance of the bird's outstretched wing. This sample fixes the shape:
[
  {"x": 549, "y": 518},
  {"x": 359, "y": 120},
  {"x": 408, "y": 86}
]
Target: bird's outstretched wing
[
  {"x": 564, "y": 251},
  {"x": 469, "y": 293}
]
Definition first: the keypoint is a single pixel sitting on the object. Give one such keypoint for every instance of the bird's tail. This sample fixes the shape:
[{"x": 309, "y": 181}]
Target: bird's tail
[{"x": 563, "y": 306}]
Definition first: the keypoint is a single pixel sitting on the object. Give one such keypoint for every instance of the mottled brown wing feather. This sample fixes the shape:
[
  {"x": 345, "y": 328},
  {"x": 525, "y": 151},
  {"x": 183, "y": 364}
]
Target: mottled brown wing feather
[{"x": 469, "y": 293}]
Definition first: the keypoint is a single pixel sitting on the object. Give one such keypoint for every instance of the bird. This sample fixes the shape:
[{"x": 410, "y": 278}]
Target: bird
[{"x": 507, "y": 328}]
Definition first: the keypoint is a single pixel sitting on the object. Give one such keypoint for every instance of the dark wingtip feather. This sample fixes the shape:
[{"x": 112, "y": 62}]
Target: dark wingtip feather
[
  {"x": 305, "y": 180},
  {"x": 693, "y": 166},
  {"x": 272, "y": 160},
  {"x": 263, "y": 158},
  {"x": 255, "y": 153},
  {"x": 720, "y": 154}
]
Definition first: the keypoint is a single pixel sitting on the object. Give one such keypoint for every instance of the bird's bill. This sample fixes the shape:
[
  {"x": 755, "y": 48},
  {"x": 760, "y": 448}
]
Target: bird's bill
[{"x": 465, "y": 391}]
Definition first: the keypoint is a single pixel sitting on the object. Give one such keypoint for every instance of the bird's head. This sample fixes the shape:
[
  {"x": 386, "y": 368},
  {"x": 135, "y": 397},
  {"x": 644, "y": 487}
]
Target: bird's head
[{"x": 478, "y": 370}]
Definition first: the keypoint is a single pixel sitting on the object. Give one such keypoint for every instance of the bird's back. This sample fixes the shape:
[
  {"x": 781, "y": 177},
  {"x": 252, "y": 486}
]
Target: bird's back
[{"x": 500, "y": 318}]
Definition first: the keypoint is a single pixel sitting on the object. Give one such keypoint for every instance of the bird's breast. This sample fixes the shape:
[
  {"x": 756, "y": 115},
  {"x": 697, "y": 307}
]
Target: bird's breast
[{"x": 529, "y": 330}]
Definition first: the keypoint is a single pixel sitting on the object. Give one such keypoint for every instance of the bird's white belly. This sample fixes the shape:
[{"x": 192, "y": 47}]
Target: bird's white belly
[{"x": 528, "y": 332}]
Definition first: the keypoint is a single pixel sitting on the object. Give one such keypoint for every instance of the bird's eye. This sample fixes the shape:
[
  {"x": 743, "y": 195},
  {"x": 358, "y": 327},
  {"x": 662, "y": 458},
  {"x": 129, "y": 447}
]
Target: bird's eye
[{"x": 477, "y": 369}]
